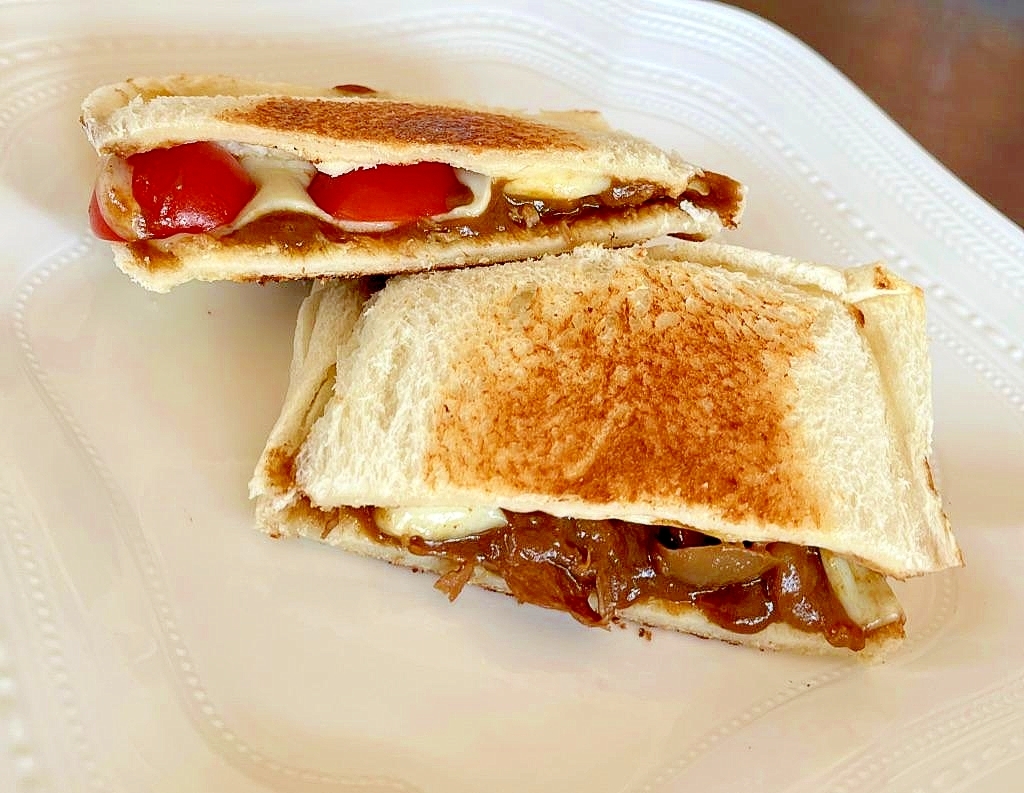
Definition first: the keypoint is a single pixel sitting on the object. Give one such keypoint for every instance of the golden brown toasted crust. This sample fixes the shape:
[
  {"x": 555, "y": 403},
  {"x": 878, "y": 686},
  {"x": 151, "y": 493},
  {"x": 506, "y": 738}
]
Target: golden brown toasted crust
[
  {"x": 562, "y": 405},
  {"x": 403, "y": 123}
]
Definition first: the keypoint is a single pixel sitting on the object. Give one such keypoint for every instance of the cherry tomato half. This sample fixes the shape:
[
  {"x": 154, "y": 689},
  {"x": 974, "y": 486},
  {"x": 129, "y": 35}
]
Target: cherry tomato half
[
  {"x": 191, "y": 188},
  {"x": 397, "y": 193}
]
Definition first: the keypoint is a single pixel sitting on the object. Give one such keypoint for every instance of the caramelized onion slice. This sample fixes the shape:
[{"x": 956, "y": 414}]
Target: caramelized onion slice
[
  {"x": 712, "y": 566},
  {"x": 866, "y": 596},
  {"x": 115, "y": 198}
]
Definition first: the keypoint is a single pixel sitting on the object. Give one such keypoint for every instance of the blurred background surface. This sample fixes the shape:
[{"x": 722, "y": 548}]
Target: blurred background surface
[{"x": 950, "y": 72}]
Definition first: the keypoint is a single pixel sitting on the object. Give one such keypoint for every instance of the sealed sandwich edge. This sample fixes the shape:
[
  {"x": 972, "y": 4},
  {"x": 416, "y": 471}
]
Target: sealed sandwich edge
[
  {"x": 893, "y": 325},
  {"x": 340, "y": 531},
  {"x": 162, "y": 267}
]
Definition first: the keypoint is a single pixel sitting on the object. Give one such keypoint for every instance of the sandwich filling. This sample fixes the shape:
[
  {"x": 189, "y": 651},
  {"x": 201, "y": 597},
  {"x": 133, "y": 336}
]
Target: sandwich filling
[
  {"x": 247, "y": 194},
  {"x": 594, "y": 569}
]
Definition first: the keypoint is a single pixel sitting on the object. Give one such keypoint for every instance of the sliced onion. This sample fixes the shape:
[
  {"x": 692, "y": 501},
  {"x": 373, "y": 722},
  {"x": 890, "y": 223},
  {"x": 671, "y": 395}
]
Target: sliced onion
[
  {"x": 866, "y": 596},
  {"x": 712, "y": 566}
]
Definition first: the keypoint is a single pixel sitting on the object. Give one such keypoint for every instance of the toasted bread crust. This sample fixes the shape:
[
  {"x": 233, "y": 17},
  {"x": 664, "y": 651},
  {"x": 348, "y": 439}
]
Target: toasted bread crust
[
  {"x": 340, "y": 131},
  {"x": 403, "y": 124},
  {"x": 641, "y": 384}
]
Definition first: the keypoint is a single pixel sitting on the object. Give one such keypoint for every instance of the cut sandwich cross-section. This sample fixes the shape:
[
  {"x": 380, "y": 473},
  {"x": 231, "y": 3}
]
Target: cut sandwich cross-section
[
  {"x": 367, "y": 183},
  {"x": 195, "y": 188}
]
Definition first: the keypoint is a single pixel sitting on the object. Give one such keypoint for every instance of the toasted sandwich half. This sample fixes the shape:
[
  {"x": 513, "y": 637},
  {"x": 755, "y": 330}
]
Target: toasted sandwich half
[
  {"x": 216, "y": 178},
  {"x": 700, "y": 437}
]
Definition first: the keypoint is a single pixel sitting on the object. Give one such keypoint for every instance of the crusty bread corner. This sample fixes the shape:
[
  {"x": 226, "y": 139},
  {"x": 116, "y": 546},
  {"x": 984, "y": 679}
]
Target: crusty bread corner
[
  {"x": 325, "y": 321},
  {"x": 339, "y": 131},
  {"x": 890, "y": 313},
  {"x": 106, "y": 101},
  {"x": 886, "y": 306}
]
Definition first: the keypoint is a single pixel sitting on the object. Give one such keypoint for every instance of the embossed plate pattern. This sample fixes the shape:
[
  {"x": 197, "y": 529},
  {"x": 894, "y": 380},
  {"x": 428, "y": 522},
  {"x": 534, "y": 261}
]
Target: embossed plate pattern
[{"x": 150, "y": 640}]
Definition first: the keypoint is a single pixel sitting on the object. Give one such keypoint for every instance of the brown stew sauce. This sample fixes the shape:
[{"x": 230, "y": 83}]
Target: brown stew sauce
[
  {"x": 511, "y": 215},
  {"x": 504, "y": 214},
  {"x": 595, "y": 568}
]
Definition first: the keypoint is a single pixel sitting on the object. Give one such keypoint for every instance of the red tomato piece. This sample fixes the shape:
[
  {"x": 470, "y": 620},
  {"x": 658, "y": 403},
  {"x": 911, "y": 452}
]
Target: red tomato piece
[
  {"x": 191, "y": 188},
  {"x": 397, "y": 193},
  {"x": 98, "y": 223}
]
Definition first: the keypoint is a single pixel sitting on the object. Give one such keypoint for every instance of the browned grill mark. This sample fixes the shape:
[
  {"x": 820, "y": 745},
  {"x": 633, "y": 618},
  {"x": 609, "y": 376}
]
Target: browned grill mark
[
  {"x": 354, "y": 89},
  {"x": 930, "y": 476},
  {"x": 658, "y": 384},
  {"x": 368, "y": 121}
]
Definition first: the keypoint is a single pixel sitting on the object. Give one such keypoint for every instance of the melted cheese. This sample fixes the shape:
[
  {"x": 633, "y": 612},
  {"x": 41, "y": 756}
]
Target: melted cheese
[
  {"x": 282, "y": 183},
  {"x": 281, "y": 187},
  {"x": 481, "y": 187},
  {"x": 437, "y": 523},
  {"x": 557, "y": 183}
]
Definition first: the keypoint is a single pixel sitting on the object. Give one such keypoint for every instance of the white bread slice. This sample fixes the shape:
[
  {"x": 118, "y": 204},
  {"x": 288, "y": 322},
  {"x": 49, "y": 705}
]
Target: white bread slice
[
  {"x": 776, "y": 400},
  {"x": 339, "y": 132},
  {"x": 325, "y": 321},
  {"x": 202, "y": 257}
]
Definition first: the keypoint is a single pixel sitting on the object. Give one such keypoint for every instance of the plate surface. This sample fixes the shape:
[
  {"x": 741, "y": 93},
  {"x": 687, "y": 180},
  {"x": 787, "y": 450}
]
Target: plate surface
[{"x": 151, "y": 640}]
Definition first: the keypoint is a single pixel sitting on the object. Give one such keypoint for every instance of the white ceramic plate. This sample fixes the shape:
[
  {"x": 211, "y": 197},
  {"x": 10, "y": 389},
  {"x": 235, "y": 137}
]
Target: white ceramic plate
[{"x": 151, "y": 640}]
